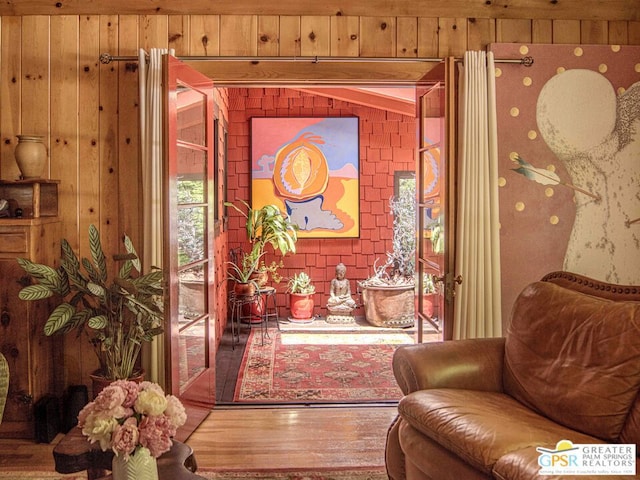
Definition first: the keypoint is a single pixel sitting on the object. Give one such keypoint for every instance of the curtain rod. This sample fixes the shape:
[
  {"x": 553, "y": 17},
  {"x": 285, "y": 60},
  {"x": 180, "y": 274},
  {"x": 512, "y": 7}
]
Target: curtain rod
[{"x": 106, "y": 58}]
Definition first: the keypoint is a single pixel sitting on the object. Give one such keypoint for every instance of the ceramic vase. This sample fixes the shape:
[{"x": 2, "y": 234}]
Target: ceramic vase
[
  {"x": 139, "y": 466},
  {"x": 31, "y": 155}
]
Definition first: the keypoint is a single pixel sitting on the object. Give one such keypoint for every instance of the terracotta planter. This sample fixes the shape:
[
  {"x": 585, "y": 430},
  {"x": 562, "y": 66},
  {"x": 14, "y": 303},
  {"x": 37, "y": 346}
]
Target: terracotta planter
[
  {"x": 301, "y": 306},
  {"x": 428, "y": 304},
  {"x": 99, "y": 382},
  {"x": 244, "y": 289},
  {"x": 391, "y": 307},
  {"x": 261, "y": 277}
]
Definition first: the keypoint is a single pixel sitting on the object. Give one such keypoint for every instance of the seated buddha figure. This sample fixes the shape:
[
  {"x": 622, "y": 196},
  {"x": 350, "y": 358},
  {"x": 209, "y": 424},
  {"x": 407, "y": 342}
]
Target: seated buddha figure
[{"x": 340, "y": 304}]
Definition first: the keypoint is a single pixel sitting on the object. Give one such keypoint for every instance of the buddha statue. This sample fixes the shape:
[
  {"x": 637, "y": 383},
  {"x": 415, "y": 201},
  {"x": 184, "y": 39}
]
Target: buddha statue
[{"x": 340, "y": 304}]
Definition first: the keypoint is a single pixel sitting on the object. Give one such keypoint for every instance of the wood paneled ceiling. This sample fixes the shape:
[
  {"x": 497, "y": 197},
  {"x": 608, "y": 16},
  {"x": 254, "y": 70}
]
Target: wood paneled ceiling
[
  {"x": 531, "y": 9},
  {"x": 399, "y": 100},
  {"x": 309, "y": 72}
]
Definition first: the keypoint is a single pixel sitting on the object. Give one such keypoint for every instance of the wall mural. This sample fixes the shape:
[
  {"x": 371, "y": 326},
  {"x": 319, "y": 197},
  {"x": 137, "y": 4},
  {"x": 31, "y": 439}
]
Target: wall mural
[
  {"x": 309, "y": 168},
  {"x": 569, "y": 163}
]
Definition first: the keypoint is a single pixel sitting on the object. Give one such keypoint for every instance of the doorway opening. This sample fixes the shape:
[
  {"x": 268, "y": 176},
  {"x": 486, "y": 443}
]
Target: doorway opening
[{"x": 231, "y": 361}]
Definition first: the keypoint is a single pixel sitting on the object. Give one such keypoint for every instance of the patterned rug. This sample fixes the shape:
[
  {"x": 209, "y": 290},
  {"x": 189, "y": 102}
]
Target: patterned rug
[
  {"x": 318, "y": 368},
  {"x": 35, "y": 475},
  {"x": 350, "y": 474}
]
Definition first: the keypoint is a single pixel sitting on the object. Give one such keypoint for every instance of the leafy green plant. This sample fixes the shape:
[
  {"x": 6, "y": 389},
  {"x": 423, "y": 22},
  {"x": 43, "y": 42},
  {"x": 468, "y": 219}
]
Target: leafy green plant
[
  {"x": 242, "y": 270},
  {"x": 267, "y": 226},
  {"x": 117, "y": 314},
  {"x": 437, "y": 236},
  {"x": 428, "y": 284},
  {"x": 300, "y": 283}
]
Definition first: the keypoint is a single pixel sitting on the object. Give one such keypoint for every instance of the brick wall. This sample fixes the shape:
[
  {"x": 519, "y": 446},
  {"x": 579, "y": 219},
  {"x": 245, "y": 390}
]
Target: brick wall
[{"x": 387, "y": 144}]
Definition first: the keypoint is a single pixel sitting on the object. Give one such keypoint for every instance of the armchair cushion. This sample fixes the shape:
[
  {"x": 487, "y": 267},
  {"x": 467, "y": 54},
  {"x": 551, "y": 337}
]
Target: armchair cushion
[
  {"x": 574, "y": 358},
  {"x": 480, "y": 428}
]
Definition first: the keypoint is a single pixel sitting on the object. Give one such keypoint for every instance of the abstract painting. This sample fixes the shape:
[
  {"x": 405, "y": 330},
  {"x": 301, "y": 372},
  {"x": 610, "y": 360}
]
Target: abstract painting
[{"x": 309, "y": 168}]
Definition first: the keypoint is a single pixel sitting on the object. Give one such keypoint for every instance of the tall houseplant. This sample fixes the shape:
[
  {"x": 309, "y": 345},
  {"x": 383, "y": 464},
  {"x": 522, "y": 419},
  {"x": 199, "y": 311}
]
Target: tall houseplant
[
  {"x": 267, "y": 226},
  {"x": 117, "y": 313},
  {"x": 388, "y": 295}
]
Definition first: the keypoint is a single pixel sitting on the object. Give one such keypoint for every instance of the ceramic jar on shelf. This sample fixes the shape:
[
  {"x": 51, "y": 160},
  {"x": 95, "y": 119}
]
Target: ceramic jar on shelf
[{"x": 31, "y": 155}]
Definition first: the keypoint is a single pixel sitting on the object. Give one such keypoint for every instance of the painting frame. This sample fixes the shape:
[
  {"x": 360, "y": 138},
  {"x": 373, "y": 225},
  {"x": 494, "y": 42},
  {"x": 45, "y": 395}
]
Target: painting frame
[{"x": 310, "y": 168}]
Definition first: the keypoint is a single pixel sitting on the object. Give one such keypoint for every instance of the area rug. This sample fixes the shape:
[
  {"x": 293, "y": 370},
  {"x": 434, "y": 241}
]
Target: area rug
[
  {"x": 349, "y": 474},
  {"x": 35, "y": 475},
  {"x": 286, "y": 371}
]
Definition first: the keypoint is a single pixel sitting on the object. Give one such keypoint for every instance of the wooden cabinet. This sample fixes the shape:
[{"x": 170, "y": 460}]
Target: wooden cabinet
[{"x": 32, "y": 356}]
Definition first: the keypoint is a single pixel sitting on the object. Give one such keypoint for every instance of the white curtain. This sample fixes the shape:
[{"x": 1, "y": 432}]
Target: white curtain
[
  {"x": 478, "y": 300},
  {"x": 151, "y": 149}
]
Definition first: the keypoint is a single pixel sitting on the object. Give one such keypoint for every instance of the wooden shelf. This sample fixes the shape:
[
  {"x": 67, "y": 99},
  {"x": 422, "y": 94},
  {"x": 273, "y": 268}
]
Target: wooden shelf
[{"x": 36, "y": 197}]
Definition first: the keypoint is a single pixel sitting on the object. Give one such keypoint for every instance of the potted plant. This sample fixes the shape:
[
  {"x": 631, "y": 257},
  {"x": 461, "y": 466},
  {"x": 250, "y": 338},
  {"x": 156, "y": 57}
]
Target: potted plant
[
  {"x": 429, "y": 293},
  {"x": 117, "y": 313},
  {"x": 388, "y": 295},
  {"x": 301, "y": 291},
  {"x": 241, "y": 272},
  {"x": 267, "y": 226}
]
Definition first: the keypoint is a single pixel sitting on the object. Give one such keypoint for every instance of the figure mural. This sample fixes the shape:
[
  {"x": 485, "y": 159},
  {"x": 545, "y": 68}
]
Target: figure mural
[
  {"x": 597, "y": 137},
  {"x": 340, "y": 304},
  {"x": 569, "y": 163}
]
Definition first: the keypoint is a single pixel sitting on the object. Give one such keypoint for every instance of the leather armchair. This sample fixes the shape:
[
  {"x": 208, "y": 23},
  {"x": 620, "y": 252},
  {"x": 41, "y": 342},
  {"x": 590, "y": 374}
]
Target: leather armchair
[{"x": 478, "y": 409}]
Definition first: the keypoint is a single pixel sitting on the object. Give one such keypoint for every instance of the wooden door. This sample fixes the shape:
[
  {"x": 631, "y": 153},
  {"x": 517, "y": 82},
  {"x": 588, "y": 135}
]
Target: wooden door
[
  {"x": 188, "y": 230},
  {"x": 435, "y": 172}
]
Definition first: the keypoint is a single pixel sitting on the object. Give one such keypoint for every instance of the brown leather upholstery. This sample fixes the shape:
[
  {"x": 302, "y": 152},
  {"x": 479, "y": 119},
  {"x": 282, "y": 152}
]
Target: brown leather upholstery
[{"x": 569, "y": 368}]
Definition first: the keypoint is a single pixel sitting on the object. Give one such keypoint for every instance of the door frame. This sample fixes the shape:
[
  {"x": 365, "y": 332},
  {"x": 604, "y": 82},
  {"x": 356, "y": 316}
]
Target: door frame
[{"x": 200, "y": 391}]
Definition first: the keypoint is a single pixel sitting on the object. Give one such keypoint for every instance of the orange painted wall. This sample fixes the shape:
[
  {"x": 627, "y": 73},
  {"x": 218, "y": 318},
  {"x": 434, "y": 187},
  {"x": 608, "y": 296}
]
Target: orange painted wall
[{"x": 387, "y": 144}]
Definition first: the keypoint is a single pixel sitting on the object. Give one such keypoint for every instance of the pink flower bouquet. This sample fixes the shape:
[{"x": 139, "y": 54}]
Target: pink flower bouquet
[{"x": 128, "y": 415}]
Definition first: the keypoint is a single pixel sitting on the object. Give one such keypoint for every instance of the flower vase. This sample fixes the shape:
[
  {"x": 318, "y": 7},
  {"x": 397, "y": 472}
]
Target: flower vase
[
  {"x": 139, "y": 466},
  {"x": 31, "y": 155}
]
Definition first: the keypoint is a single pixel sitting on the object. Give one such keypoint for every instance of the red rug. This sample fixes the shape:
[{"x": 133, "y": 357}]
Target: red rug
[
  {"x": 329, "y": 474},
  {"x": 301, "y": 370}
]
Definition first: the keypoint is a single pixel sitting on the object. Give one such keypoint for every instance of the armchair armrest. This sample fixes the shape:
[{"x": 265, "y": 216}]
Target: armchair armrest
[{"x": 474, "y": 364}]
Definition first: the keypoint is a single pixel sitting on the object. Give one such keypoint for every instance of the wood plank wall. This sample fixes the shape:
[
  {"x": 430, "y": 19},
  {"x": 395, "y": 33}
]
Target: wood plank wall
[{"x": 52, "y": 83}]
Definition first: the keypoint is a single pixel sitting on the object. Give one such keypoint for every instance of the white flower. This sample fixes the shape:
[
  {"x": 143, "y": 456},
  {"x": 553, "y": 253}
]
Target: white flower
[
  {"x": 150, "y": 402},
  {"x": 98, "y": 428}
]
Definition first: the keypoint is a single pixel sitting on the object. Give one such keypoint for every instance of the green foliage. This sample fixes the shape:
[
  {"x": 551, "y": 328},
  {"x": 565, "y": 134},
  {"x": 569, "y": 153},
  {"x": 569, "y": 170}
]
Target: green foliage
[
  {"x": 267, "y": 226},
  {"x": 301, "y": 283},
  {"x": 242, "y": 270},
  {"x": 116, "y": 315},
  {"x": 428, "y": 284},
  {"x": 437, "y": 236}
]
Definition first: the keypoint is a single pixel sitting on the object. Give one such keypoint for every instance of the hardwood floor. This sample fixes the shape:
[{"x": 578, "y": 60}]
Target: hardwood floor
[
  {"x": 236, "y": 436},
  {"x": 302, "y": 437},
  {"x": 260, "y": 438}
]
